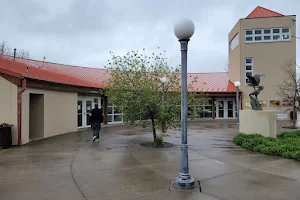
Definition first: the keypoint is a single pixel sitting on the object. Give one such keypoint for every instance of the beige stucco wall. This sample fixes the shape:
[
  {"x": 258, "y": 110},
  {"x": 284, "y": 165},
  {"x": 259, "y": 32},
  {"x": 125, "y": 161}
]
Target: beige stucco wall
[
  {"x": 60, "y": 112},
  {"x": 234, "y": 63},
  {"x": 260, "y": 122},
  {"x": 268, "y": 57},
  {"x": 8, "y": 106}
]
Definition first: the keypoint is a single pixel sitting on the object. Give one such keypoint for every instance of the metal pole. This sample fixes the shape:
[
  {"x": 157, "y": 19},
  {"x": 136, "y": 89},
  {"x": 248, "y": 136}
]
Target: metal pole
[
  {"x": 184, "y": 180},
  {"x": 237, "y": 106}
]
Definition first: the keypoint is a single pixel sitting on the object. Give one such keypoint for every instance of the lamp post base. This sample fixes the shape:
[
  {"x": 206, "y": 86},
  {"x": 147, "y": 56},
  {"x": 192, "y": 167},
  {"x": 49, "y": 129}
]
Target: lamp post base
[{"x": 181, "y": 183}]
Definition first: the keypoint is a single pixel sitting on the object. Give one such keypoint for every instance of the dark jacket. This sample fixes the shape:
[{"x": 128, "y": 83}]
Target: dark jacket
[{"x": 97, "y": 116}]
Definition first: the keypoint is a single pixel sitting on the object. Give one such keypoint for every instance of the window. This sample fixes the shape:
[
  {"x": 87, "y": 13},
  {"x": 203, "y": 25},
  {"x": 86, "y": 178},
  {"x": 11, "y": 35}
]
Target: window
[
  {"x": 248, "y": 74},
  {"x": 285, "y": 30},
  {"x": 285, "y": 37},
  {"x": 249, "y": 60},
  {"x": 205, "y": 110},
  {"x": 248, "y": 68},
  {"x": 234, "y": 42},
  {"x": 248, "y": 39},
  {"x": 267, "y": 35},
  {"x": 114, "y": 115},
  {"x": 248, "y": 32},
  {"x": 276, "y": 37},
  {"x": 258, "y": 38},
  {"x": 257, "y": 31}
]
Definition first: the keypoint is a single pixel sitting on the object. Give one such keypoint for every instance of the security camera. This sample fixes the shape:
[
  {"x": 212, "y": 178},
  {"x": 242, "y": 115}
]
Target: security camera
[{"x": 294, "y": 18}]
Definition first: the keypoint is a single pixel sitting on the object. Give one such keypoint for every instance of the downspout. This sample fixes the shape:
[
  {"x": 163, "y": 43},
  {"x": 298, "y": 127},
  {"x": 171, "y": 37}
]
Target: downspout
[
  {"x": 20, "y": 111},
  {"x": 241, "y": 101}
]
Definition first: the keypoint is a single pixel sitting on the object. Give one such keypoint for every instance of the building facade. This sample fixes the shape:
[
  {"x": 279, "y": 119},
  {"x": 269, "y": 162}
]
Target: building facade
[
  {"x": 42, "y": 99},
  {"x": 262, "y": 43}
]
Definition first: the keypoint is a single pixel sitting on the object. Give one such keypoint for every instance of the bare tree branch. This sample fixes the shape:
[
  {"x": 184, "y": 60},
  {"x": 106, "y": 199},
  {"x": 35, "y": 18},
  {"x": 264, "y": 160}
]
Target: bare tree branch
[
  {"x": 23, "y": 53},
  {"x": 7, "y": 50},
  {"x": 289, "y": 88}
]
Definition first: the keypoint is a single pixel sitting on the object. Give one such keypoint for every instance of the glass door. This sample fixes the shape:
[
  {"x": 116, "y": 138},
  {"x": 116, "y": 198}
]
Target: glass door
[
  {"x": 80, "y": 113},
  {"x": 84, "y": 108},
  {"x": 88, "y": 106},
  {"x": 221, "y": 109},
  {"x": 230, "y": 110}
]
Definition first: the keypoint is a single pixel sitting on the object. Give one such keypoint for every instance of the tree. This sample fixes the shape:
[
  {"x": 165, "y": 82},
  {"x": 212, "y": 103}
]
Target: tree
[
  {"x": 135, "y": 88},
  {"x": 23, "y": 53},
  {"x": 7, "y": 50},
  {"x": 289, "y": 88}
]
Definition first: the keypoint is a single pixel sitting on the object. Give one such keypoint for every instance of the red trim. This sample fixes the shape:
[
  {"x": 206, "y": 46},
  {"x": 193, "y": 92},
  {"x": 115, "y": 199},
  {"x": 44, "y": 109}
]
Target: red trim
[
  {"x": 20, "y": 111},
  {"x": 11, "y": 73}
]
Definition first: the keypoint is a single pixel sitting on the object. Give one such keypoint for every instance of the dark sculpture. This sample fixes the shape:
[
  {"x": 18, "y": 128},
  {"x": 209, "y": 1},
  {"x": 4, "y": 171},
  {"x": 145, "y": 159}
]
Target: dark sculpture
[{"x": 254, "y": 82}]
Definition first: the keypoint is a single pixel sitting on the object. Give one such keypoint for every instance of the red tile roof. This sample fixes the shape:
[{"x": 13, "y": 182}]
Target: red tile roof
[
  {"x": 211, "y": 82},
  {"x": 260, "y": 12},
  {"x": 206, "y": 82},
  {"x": 97, "y": 77},
  {"x": 20, "y": 70}
]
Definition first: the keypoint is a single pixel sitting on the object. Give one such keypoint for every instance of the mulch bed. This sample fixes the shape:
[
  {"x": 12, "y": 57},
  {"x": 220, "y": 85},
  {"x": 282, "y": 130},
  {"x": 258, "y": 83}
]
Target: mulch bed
[{"x": 153, "y": 145}]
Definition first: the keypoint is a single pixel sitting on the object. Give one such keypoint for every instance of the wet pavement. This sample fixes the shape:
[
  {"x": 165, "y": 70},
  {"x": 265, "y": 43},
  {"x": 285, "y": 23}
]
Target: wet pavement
[{"x": 71, "y": 167}]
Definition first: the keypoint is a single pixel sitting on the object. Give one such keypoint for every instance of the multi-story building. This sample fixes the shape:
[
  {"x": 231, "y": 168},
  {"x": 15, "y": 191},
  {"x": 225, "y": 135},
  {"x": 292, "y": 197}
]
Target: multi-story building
[{"x": 262, "y": 43}]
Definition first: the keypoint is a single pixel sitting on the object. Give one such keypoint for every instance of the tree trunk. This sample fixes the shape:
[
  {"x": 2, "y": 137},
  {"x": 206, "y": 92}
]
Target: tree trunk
[
  {"x": 294, "y": 112},
  {"x": 153, "y": 126}
]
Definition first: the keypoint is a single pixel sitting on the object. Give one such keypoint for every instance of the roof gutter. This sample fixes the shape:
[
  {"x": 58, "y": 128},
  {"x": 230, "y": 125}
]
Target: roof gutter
[{"x": 20, "y": 111}]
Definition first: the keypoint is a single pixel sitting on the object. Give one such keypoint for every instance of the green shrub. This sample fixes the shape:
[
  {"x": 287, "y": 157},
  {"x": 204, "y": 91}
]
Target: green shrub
[
  {"x": 159, "y": 140},
  {"x": 296, "y": 155},
  {"x": 286, "y": 145},
  {"x": 261, "y": 149},
  {"x": 290, "y": 134}
]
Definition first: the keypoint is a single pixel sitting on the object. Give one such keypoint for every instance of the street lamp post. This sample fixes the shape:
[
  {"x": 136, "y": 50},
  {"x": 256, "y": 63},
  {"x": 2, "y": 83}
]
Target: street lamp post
[
  {"x": 237, "y": 85},
  {"x": 184, "y": 30}
]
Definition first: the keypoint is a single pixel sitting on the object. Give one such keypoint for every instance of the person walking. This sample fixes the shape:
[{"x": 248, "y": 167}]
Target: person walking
[{"x": 96, "y": 120}]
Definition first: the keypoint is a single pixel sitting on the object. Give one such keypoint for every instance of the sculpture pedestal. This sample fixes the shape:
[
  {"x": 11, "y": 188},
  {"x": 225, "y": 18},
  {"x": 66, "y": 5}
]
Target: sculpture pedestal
[{"x": 263, "y": 122}]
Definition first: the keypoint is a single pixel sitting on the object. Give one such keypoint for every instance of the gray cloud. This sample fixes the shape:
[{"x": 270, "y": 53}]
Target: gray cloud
[{"x": 83, "y": 32}]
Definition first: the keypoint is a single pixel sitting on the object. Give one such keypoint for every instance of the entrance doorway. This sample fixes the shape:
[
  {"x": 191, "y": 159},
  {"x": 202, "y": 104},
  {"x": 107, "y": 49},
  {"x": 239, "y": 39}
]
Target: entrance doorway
[
  {"x": 36, "y": 116},
  {"x": 225, "y": 108},
  {"x": 84, "y": 108}
]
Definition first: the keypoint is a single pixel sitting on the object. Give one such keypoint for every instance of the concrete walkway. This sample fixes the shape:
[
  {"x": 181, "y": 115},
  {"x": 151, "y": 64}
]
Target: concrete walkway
[{"x": 71, "y": 167}]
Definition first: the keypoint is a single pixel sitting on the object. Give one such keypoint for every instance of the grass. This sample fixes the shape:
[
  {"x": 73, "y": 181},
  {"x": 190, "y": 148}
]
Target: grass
[{"x": 287, "y": 144}]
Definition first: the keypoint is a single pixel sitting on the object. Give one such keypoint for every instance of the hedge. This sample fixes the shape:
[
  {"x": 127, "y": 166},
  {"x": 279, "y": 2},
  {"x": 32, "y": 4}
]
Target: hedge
[{"x": 286, "y": 145}]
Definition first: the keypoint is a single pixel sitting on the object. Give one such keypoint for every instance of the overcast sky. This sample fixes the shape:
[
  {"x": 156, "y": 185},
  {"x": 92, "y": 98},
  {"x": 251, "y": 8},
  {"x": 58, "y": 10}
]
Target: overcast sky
[{"x": 82, "y": 32}]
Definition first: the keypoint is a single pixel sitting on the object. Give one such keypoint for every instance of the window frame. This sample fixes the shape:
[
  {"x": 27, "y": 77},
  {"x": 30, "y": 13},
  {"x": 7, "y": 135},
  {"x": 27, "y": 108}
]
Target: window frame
[
  {"x": 113, "y": 114},
  {"x": 246, "y": 70},
  {"x": 283, "y": 35},
  {"x": 234, "y": 42}
]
